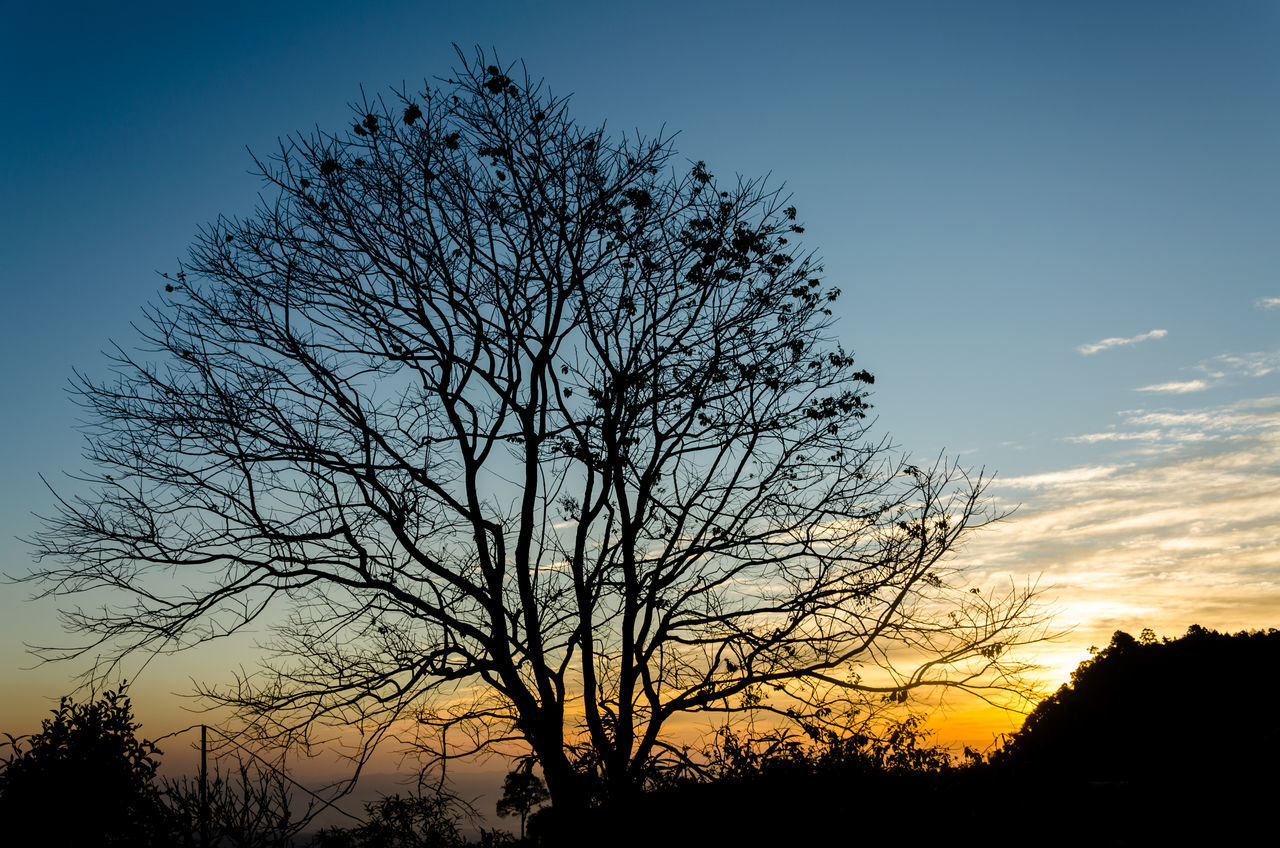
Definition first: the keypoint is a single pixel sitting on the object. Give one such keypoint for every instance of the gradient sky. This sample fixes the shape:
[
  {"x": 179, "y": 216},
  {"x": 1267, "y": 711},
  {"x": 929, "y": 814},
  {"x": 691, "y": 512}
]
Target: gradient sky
[{"x": 1056, "y": 225}]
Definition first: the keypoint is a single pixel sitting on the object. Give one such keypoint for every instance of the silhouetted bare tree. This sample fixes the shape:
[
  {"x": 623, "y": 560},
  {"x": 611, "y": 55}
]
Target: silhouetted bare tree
[{"x": 538, "y": 434}]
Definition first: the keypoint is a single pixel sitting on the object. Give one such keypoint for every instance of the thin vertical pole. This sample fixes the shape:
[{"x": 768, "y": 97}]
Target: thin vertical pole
[{"x": 204, "y": 786}]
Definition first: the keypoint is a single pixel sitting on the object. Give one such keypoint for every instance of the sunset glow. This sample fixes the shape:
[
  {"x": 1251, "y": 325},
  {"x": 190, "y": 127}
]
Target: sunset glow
[{"x": 1054, "y": 226}]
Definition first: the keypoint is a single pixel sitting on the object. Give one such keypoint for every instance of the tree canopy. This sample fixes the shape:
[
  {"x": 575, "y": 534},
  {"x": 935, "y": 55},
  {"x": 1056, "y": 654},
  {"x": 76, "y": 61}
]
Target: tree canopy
[
  {"x": 522, "y": 791},
  {"x": 536, "y": 435},
  {"x": 1162, "y": 710}
]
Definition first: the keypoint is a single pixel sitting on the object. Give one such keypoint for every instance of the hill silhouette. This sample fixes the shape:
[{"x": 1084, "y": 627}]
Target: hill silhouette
[
  {"x": 1159, "y": 711},
  {"x": 1154, "y": 741}
]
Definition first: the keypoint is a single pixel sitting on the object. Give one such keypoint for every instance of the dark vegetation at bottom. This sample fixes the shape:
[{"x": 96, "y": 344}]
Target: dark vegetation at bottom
[
  {"x": 969, "y": 808},
  {"x": 1169, "y": 742}
]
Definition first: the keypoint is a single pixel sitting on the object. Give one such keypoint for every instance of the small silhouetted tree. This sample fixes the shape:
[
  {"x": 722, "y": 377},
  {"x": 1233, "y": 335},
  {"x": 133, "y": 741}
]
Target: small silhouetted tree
[
  {"x": 539, "y": 434},
  {"x": 522, "y": 791},
  {"x": 84, "y": 779}
]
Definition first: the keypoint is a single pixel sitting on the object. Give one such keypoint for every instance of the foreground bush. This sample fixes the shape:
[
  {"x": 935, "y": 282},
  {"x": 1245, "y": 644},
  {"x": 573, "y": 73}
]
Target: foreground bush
[{"x": 85, "y": 779}]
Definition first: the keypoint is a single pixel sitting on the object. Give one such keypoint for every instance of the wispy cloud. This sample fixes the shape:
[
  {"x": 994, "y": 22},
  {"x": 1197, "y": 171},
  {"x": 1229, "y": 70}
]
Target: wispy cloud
[
  {"x": 1119, "y": 341},
  {"x": 1059, "y": 478},
  {"x": 1163, "y": 430},
  {"x": 1177, "y": 388},
  {"x": 1267, "y": 303},
  {"x": 1215, "y": 370},
  {"x": 1173, "y": 524},
  {"x": 1257, "y": 364},
  {"x": 1114, "y": 436}
]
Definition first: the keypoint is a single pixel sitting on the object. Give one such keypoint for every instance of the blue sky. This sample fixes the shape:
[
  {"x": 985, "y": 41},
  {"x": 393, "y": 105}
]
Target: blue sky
[{"x": 995, "y": 186}]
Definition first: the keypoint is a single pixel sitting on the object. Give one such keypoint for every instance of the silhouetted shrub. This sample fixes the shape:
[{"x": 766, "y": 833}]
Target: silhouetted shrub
[
  {"x": 84, "y": 779},
  {"x": 773, "y": 788},
  {"x": 250, "y": 806},
  {"x": 402, "y": 821}
]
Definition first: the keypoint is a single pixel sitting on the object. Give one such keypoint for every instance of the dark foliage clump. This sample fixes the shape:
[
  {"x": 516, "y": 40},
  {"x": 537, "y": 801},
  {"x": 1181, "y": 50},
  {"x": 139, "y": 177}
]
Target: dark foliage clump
[
  {"x": 399, "y": 821},
  {"x": 1159, "y": 710},
  {"x": 413, "y": 820},
  {"x": 1154, "y": 741},
  {"x": 822, "y": 788},
  {"x": 84, "y": 779}
]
